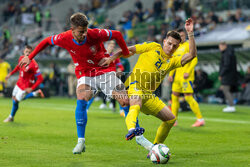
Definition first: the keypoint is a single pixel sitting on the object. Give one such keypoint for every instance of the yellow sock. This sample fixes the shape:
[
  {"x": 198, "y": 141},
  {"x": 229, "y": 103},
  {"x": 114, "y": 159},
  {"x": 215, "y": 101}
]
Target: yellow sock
[
  {"x": 175, "y": 104},
  {"x": 1, "y": 87},
  {"x": 163, "y": 131},
  {"x": 194, "y": 106},
  {"x": 132, "y": 116}
]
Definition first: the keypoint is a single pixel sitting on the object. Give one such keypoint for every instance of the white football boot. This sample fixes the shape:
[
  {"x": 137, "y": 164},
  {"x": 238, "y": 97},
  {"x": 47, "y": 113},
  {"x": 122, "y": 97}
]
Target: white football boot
[
  {"x": 80, "y": 147},
  {"x": 229, "y": 109},
  {"x": 8, "y": 119}
]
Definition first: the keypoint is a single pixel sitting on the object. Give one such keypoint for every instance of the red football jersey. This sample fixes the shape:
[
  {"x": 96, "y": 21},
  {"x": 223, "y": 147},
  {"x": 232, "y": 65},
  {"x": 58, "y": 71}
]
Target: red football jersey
[
  {"x": 27, "y": 74},
  {"x": 86, "y": 55}
]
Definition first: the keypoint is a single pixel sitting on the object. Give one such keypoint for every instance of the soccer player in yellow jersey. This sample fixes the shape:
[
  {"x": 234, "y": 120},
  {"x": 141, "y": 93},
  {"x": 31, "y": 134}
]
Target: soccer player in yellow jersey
[
  {"x": 182, "y": 79},
  {"x": 4, "y": 70},
  {"x": 152, "y": 66}
]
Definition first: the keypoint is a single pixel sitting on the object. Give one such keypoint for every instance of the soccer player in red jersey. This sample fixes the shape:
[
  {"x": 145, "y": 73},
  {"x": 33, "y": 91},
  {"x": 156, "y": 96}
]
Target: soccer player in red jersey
[
  {"x": 26, "y": 83},
  {"x": 86, "y": 48}
]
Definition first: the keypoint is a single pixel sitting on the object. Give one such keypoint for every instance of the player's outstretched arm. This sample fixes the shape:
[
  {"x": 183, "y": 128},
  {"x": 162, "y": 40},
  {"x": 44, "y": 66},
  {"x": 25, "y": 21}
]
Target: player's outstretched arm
[
  {"x": 189, "y": 26},
  {"x": 106, "y": 61},
  {"x": 42, "y": 45},
  {"x": 117, "y": 36},
  {"x": 12, "y": 72},
  {"x": 38, "y": 81}
]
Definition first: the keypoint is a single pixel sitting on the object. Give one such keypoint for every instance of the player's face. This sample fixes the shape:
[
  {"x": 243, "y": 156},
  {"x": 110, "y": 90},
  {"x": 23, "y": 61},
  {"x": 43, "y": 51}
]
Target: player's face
[
  {"x": 79, "y": 33},
  {"x": 170, "y": 45},
  {"x": 27, "y": 52},
  {"x": 183, "y": 36}
]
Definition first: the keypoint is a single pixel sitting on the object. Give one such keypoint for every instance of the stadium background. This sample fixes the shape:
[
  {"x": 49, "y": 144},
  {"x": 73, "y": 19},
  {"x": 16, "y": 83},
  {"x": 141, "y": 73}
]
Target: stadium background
[{"x": 29, "y": 21}]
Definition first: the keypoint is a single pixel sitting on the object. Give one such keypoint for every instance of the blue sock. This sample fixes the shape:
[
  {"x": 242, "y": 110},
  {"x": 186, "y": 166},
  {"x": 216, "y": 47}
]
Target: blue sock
[
  {"x": 14, "y": 108},
  {"x": 81, "y": 118},
  {"x": 29, "y": 96},
  {"x": 120, "y": 106},
  {"x": 90, "y": 102},
  {"x": 126, "y": 110}
]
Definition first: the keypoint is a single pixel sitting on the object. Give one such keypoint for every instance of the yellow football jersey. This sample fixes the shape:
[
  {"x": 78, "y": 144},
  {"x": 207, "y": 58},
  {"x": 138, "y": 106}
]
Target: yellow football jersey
[
  {"x": 4, "y": 67},
  {"x": 152, "y": 66},
  {"x": 188, "y": 68}
]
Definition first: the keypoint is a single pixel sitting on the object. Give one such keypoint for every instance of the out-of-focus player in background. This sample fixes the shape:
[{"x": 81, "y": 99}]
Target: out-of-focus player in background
[
  {"x": 29, "y": 79},
  {"x": 117, "y": 67},
  {"x": 183, "y": 79},
  {"x": 152, "y": 66},
  {"x": 4, "y": 70},
  {"x": 86, "y": 48}
]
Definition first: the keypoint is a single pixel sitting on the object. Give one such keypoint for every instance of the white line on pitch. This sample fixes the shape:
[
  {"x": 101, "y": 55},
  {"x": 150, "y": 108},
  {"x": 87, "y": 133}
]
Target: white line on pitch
[{"x": 217, "y": 120}]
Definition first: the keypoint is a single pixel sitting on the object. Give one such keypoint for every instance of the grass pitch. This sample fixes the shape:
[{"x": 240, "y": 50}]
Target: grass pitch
[{"x": 44, "y": 134}]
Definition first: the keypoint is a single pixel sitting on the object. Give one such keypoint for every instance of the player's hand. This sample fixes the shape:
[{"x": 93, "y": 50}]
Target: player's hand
[
  {"x": 189, "y": 25},
  {"x": 105, "y": 62},
  {"x": 7, "y": 77},
  {"x": 24, "y": 62},
  {"x": 170, "y": 79},
  {"x": 186, "y": 75},
  {"x": 28, "y": 90}
]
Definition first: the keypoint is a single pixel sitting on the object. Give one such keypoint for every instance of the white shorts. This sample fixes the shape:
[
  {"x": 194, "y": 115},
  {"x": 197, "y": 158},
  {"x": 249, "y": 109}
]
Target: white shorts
[
  {"x": 18, "y": 93},
  {"x": 105, "y": 83}
]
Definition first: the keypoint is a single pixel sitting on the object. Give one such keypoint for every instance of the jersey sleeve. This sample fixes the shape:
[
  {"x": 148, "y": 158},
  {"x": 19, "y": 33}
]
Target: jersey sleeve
[
  {"x": 37, "y": 74},
  {"x": 146, "y": 46},
  {"x": 57, "y": 39},
  {"x": 172, "y": 72},
  {"x": 175, "y": 62},
  {"x": 191, "y": 65},
  {"x": 105, "y": 34},
  {"x": 51, "y": 40},
  {"x": 14, "y": 70},
  {"x": 36, "y": 69}
]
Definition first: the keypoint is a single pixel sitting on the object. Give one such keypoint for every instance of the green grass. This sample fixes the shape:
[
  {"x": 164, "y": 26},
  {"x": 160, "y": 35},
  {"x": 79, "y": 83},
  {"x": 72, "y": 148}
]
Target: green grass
[{"x": 44, "y": 134}]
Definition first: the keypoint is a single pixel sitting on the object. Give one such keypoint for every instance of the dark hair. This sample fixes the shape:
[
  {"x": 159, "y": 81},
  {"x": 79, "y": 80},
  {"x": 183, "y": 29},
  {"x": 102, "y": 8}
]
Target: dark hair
[
  {"x": 174, "y": 34},
  {"x": 79, "y": 19},
  {"x": 28, "y": 47},
  {"x": 180, "y": 30}
]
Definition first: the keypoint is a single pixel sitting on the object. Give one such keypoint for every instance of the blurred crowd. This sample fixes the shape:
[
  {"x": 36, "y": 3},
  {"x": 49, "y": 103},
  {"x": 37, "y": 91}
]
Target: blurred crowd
[
  {"x": 173, "y": 14},
  {"x": 164, "y": 14}
]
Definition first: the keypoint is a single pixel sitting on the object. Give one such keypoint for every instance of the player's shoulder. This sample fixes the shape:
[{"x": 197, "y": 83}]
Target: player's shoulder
[
  {"x": 186, "y": 43},
  {"x": 151, "y": 43},
  {"x": 63, "y": 35},
  {"x": 93, "y": 32},
  {"x": 96, "y": 32},
  {"x": 20, "y": 58}
]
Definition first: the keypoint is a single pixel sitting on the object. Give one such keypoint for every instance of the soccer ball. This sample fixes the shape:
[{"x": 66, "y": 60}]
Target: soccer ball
[{"x": 160, "y": 154}]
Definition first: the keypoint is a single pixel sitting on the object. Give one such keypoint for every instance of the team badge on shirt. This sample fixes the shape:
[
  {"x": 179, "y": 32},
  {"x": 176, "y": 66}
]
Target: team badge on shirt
[{"x": 93, "y": 50}]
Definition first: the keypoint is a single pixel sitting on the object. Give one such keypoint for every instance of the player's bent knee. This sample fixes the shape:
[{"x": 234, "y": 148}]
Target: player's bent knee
[{"x": 14, "y": 98}]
